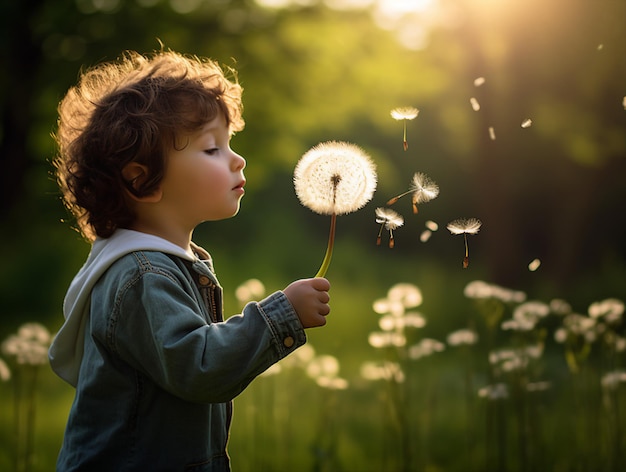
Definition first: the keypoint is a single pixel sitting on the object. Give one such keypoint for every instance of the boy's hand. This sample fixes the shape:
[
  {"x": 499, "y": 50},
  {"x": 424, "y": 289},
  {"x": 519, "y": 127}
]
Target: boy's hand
[{"x": 310, "y": 298}]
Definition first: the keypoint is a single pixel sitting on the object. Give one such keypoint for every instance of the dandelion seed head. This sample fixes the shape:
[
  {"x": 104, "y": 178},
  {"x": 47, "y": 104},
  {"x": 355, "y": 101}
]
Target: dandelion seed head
[
  {"x": 272, "y": 370},
  {"x": 611, "y": 380},
  {"x": 526, "y": 316},
  {"x": 404, "y": 113},
  {"x": 560, "y": 335},
  {"x": 386, "y": 339},
  {"x": 611, "y": 310},
  {"x": 498, "y": 391},
  {"x": 305, "y": 353},
  {"x": 29, "y": 346},
  {"x": 34, "y": 332},
  {"x": 560, "y": 306},
  {"x": 332, "y": 383},
  {"x": 527, "y": 123},
  {"x": 424, "y": 188},
  {"x": 300, "y": 358},
  {"x": 408, "y": 294},
  {"x": 514, "y": 325},
  {"x": 388, "y": 323},
  {"x": 464, "y": 225},
  {"x": 479, "y": 289},
  {"x": 391, "y": 219},
  {"x": 252, "y": 289},
  {"x": 382, "y": 371},
  {"x": 426, "y": 347},
  {"x": 325, "y": 365},
  {"x": 413, "y": 319},
  {"x": 577, "y": 326},
  {"x": 381, "y": 306},
  {"x": 5, "y": 372},
  {"x": 475, "y": 104},
  {"x": 335, "y": 178},
  {"x": 462, "y": 337}
]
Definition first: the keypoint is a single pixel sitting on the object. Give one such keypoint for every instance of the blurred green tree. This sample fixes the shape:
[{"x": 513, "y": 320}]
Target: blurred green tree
[{"x": 313, "y": 71}]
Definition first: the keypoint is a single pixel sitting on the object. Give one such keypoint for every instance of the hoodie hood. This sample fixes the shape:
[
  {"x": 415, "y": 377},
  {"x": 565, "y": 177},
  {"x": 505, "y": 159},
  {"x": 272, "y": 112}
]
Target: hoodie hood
[{"x": 66, "y": 351}]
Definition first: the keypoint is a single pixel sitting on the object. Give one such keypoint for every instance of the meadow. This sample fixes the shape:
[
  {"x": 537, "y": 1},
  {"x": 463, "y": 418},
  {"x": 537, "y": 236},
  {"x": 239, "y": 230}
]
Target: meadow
[{"x": 448, "y": 374}]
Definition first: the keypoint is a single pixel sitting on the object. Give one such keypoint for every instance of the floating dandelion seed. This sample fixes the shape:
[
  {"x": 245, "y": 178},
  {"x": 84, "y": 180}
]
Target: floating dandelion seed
[
  {"x": 475, "y": 104},
  {"x": 334, "y": 178},
  {"x": 465, "y": 226},
  {"x": 404, "y": 113},
  {"x": 390, "y": 220},
  {"x": 534, "y": 265},
  {"x": 526, "y": 123},
  {"x": 422, "y": 188},
  {"x": 479, "y": 81},
  {"x": 492, "y": 133},
  {"x": 431, "y": 225},
  {"x": 624, "y": 102}
]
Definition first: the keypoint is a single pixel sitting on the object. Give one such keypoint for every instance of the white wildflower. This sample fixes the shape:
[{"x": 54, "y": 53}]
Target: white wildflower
[
  {"x": 462, "y": 337},
  {"x": 499, "y": 391},
  {"x": 425, "y": 347}
]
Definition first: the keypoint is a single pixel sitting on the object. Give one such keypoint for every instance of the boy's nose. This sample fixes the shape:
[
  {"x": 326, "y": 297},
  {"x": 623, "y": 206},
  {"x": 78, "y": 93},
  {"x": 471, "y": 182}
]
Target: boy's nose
[{"x": 238, "y": 161}]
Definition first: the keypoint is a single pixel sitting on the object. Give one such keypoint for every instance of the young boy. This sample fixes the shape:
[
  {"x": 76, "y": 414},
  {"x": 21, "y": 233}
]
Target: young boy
[{"x": 144, "y": 157}]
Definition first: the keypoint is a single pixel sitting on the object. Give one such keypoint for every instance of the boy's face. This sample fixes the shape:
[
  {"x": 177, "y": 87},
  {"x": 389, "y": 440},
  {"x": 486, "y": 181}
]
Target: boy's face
[{"x": 203, "y": 181}]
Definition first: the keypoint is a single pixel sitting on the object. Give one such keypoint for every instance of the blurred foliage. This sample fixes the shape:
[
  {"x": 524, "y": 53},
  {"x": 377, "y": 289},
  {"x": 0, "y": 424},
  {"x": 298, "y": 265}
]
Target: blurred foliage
[{"x": 312, "y": 72}]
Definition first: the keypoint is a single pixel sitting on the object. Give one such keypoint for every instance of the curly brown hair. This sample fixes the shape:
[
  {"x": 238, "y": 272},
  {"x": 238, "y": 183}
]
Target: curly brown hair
[{"x": 133, "y": 110}]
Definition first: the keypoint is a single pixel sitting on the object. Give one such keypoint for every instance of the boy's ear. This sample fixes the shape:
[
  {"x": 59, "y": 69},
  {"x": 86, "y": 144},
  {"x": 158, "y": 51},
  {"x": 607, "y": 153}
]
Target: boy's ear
[{"x": 135, "y": 175}]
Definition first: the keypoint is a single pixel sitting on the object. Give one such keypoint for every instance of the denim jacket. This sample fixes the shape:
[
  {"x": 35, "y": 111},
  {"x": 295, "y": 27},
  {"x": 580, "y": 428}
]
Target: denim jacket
[{"x": 158, "y": 366}]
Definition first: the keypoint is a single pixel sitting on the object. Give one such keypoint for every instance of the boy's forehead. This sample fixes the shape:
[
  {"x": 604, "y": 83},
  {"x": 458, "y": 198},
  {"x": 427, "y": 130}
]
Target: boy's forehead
[
  {"x": 217, "y": 123},
  {"x": 215, "y": 126}
]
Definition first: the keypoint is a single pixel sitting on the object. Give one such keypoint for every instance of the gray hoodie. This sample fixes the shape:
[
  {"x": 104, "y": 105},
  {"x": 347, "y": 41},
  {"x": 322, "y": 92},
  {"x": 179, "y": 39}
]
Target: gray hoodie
[{"x": 66, "y": 351}]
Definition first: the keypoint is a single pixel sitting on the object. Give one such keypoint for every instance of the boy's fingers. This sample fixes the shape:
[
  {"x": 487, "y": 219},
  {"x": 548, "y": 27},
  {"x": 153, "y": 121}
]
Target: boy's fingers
[{"x": 321, "y": 284}]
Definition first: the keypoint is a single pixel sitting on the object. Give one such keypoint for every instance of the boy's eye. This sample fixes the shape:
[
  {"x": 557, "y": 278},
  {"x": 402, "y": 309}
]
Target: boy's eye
[{"x": 211, "y": 151}]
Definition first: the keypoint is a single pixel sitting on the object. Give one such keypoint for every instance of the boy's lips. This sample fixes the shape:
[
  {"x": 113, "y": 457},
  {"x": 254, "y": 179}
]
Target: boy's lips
[{"x": 240, "y": 185}]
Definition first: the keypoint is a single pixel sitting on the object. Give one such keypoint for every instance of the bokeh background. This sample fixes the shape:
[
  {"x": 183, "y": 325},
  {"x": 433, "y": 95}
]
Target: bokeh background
[{"x": 319, "y": 70}]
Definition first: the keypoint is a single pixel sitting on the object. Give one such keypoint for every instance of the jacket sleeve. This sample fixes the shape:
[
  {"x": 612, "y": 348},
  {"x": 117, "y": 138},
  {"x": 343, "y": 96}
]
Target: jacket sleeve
[{"x": 158, "y": 329}]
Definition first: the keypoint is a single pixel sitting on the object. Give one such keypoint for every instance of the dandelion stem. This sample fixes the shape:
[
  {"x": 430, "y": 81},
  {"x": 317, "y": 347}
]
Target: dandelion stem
[
  {"x": 466, "y": 258},
  {"x": 405, "y": 144},
  {"x": 393, "y": 200},
  {"x": 329, "y": 249}
]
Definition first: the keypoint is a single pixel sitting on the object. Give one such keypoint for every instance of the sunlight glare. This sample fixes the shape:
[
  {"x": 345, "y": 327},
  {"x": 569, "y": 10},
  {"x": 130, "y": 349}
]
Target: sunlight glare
[
  {"x": 396, "y": 8},
  {"x": 280, "y": 4},
  {"x": 348, "y": 4}
]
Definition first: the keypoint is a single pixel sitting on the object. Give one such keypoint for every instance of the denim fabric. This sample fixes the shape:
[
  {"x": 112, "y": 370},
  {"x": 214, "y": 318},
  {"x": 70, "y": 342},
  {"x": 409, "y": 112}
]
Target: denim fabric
[{"x": 160, "y": 367}]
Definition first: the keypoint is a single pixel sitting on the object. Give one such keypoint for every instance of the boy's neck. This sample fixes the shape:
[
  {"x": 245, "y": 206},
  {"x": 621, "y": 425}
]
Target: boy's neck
[{"x": 177, "y": 237}]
